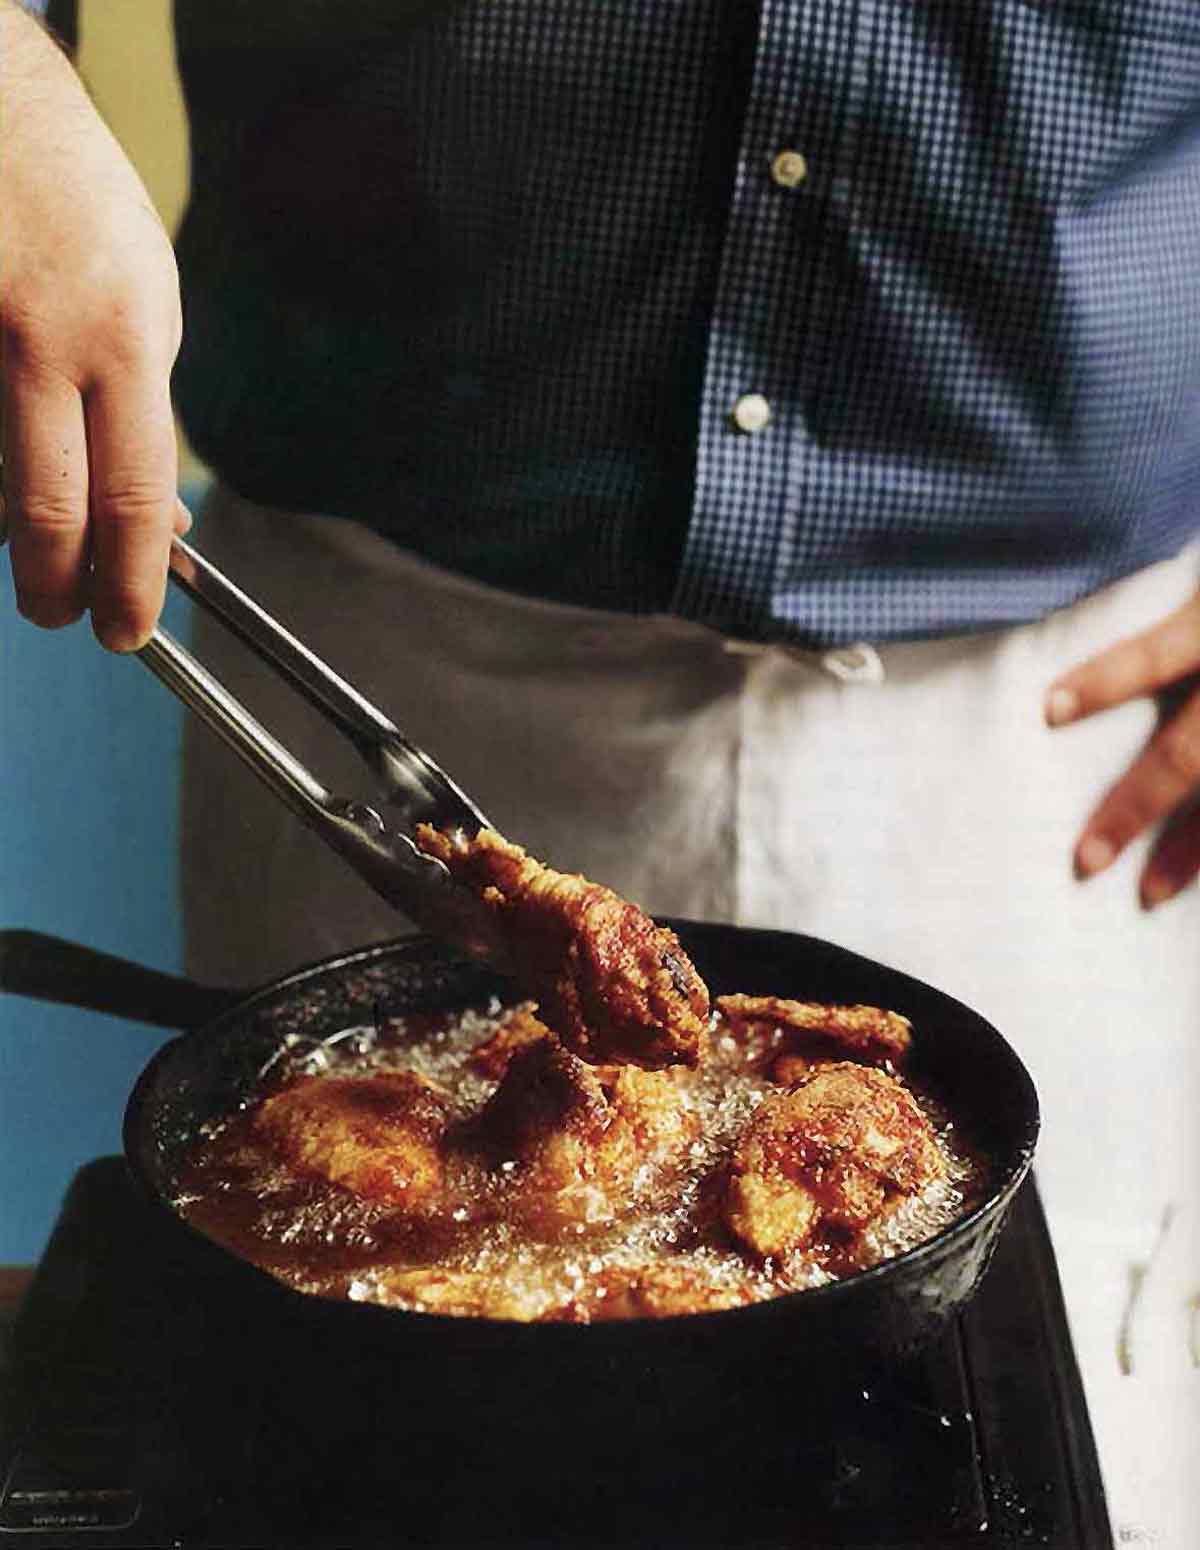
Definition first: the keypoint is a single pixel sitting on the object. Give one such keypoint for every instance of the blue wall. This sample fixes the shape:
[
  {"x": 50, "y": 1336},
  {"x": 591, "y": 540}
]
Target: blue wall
[{"x": 89, "y": 747}]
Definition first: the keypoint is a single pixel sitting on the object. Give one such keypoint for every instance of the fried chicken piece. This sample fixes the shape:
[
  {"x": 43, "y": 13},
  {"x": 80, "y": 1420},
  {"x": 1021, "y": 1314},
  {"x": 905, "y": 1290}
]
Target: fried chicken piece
[
  {"x": 787, "y": 1070},
  {"x": 573, "y": 1141},
  {"x": 829, "y": 1156},
  {"x": 653, "y": 1107},
  {"x": 519, "y": 1028},
  {"x": 379, "y": 1136},
  {"x": 651, "y": 1292},
  {"x": 549, "y": 1113},
  {"x": 788, "y": 1038},
  {"x": 471, "y": 1293},
  {"x": 655, "y": 1291},
  {"x": 612, "y": 984}
]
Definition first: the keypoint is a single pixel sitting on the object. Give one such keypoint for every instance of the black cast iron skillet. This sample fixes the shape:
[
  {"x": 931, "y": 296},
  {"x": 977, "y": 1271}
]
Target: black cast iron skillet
[{"x": 350, "y": 1374}]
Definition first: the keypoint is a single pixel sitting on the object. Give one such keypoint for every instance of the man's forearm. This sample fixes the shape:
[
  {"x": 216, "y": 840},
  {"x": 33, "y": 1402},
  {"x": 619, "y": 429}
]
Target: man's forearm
[
  {"x": 30, "y": 43},
  {"x": 61, "y": 16},
  {"x": 43, "y": 103}
]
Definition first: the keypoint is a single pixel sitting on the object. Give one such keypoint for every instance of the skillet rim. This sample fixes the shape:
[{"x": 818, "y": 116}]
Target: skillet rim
[{"x": 1012, "y": 1172}]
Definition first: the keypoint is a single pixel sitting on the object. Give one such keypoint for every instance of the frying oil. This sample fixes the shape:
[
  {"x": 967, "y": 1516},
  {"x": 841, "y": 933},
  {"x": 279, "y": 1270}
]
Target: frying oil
[{"x": 476, "y": 1256}]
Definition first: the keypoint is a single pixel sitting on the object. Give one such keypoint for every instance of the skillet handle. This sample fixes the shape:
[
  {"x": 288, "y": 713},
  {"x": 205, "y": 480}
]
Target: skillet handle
[{"x": 48, "y": 968}]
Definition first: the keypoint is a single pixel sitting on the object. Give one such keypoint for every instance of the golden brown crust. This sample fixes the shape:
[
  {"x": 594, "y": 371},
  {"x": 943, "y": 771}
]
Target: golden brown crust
[
  {"x": 613, "y": 985},
  {"x": 828, "y": 1154},
  {"x": 465, "y": 1293},
  {"x": 519, "y": 1028},
  {"x": 652, "y": 1107},
  {"x": 547, "y": 1099},
  {"x": 787, "y": 1070},
  {"x": 652, "y": 1291},
  {"x": 571, "y": 1139},
  {"x": 788, "y": 1037},
  {"x": 379, "y": 1136}
]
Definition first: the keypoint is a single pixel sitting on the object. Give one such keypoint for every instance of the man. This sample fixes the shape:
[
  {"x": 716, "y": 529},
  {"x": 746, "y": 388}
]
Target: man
[{"x": 712, "y": 431}]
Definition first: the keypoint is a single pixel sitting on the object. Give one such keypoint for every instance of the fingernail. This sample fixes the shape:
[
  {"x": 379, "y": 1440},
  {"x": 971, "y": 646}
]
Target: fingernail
[
  {"x": 1094, "y": 854},
  {"x": 118, "y": 637},
  {"x": 1156, "y": 890},
  {"x": 1062, "y": 705},
  {"x": 47, "y": 618}
]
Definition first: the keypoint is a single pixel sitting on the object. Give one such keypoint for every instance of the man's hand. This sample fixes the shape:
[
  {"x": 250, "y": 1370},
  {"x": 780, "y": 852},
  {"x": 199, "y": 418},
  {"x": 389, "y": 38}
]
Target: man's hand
[
  {"x": 89, "y": 330},
  {"x": 1163, "y": 783}
]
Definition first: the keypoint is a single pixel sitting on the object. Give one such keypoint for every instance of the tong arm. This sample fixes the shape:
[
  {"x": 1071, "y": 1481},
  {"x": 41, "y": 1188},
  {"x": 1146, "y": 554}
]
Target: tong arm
[
  {"x": 385, "y": 858},
  {"x": 413, "y": 783}
]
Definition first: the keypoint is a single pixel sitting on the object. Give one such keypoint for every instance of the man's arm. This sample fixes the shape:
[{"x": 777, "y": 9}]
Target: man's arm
[
  {"x": 89, "y": 330},
  {"x": 1163, "y": 783}
]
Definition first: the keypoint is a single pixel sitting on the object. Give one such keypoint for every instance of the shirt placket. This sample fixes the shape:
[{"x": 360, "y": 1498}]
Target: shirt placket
[{"x": 792, "y": 165}]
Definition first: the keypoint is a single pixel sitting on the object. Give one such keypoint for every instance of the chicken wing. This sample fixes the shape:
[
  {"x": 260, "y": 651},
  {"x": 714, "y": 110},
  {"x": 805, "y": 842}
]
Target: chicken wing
[
  {"x": 379, "y": 1136},
  {"x": 829, "y": 1156},
  {"x": 612, "y": 984}
]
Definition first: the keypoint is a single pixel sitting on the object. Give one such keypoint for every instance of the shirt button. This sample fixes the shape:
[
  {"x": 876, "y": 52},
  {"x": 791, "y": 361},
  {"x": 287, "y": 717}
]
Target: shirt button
[
  {"x": 751, "y": 413},
  {"x": 857, "y": 664},
  {"x": 789, "y": 169}
]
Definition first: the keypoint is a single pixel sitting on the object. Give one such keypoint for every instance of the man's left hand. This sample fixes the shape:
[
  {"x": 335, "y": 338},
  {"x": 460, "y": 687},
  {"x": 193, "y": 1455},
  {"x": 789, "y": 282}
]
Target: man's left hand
[{"x": 1163, "y": 783}]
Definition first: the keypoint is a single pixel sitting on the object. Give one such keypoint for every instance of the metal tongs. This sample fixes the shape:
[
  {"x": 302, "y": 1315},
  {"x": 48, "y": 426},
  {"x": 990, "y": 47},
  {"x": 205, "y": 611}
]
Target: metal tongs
[{"x": 381, "y": 851}]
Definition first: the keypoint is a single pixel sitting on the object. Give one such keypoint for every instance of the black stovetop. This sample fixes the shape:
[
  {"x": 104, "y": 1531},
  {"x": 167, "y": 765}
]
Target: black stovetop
[{"x": 984, "y": 1442}]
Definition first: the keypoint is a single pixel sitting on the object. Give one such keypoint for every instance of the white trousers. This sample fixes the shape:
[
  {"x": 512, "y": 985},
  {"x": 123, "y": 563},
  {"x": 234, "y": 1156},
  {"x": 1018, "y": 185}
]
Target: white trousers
[{"x": 909, "y": 804}]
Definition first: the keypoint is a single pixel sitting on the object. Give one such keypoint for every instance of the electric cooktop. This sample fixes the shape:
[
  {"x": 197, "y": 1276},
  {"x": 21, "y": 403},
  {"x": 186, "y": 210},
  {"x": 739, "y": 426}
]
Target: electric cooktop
[{"x": 984, "y": 1441}]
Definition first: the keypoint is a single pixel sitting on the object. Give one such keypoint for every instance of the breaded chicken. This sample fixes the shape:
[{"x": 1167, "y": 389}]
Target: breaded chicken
[
  {"x": 431, "y": 1289},
  {"x": 612, "y": 984},
  {"x": 519, "y": 1028},
  {"x": 571, "y": 1140},
  {"x": 787, "y": 1038},
  {"x": 653, "y": 1291},
  {"x": 833, "y": 1153},
  {"x": 379, "y": 1136},
  {"x": 653, "y": 1107},
  {"x": 549, "y": 1112},
  {"x": 656, "y": 1291}
]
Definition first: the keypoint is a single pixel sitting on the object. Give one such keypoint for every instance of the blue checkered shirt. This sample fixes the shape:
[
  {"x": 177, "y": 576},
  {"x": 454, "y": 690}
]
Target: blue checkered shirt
[{"x": 528, "y": 285}]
